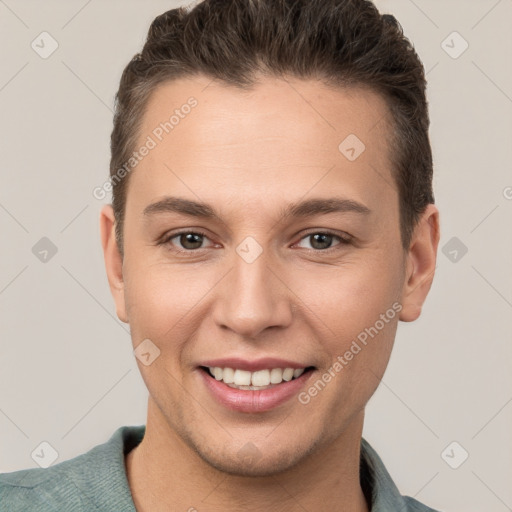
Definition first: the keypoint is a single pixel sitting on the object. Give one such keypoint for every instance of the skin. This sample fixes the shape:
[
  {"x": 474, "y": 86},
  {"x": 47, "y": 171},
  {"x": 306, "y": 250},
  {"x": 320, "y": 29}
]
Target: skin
[{"x": 249, "y": 154}]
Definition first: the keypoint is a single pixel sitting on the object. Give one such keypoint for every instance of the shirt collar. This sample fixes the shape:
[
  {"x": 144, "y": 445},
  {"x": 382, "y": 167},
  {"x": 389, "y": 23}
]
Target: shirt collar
[
  {"x": 101, "y": 476},
  {"x": 378, "y": 486}
]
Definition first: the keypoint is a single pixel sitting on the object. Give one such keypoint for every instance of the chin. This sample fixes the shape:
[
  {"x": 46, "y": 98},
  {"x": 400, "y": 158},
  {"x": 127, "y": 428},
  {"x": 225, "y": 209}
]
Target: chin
[
  {"x": 251, "y": 461},
  {"x": 262, "y": 466}
]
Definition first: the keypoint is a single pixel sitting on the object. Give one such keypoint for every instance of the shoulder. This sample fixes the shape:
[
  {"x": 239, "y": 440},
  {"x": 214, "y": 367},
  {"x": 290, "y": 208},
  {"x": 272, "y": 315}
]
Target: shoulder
[
  {"x": 40, "y": 489},
  {"x": 88, "y": 482}
]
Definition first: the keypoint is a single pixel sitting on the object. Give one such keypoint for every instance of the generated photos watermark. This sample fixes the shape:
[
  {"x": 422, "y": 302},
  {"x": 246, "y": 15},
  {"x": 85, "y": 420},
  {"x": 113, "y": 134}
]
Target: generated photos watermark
[
  {"x": 157, "y": 135},
  {"x": 354, "y": 349}
]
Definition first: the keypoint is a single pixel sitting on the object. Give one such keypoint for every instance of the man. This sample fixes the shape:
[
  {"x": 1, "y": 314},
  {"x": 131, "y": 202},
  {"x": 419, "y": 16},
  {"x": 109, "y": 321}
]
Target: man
[{"x": 272, "y": 221}]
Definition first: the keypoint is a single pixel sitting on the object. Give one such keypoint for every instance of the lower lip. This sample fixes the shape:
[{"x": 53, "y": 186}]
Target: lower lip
[{"x": 253, "y": 401}]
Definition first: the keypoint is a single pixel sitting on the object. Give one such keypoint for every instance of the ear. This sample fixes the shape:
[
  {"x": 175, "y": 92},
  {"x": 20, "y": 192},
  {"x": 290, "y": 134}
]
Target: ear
[
  {"x": 113, "y": 260},
  {"x": 420, "y": 264}
]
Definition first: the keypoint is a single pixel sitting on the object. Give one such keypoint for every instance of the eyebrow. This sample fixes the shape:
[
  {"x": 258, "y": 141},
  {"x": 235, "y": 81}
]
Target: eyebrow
[{"x": 306, "y": 208}]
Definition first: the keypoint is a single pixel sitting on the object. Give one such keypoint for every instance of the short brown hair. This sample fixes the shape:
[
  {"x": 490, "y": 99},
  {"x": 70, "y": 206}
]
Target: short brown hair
[{"x": 341, "y": 42}]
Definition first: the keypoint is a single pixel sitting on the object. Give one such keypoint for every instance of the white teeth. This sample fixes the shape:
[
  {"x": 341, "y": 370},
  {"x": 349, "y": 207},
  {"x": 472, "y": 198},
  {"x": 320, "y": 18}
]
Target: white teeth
[
  {"x": 276, "y": 376},
  {"x": 242, "y": 378},
  {"x": 260, "y": 379},
  {"x": 228, "y": 375},
  {"x": 288, "y": 374},
  {"x": 298, "y": 372}
]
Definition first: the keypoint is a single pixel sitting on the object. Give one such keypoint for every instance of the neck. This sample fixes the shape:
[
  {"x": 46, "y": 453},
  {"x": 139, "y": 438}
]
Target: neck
[{"x": 166, "y": 473}]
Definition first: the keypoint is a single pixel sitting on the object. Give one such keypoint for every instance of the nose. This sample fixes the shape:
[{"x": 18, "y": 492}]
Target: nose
[{"x": 252, "y": 298}]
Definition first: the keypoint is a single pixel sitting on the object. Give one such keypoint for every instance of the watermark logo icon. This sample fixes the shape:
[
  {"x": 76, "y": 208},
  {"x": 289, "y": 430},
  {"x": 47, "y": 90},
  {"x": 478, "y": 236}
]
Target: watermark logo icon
[
  {"x": 454, "y": 455},
  {"x": 454, "y": 45},
  {"x": 249, "y": 250},
  {"x": 249, "y": 454},
  {"x": 44, "y": 45},
  {"x": 44, "y": 454},
  {"x": 44, "y": 250},
  {"x": 454, "y": 250},
  {"x": 146, "y": 352},
  {"x": 351, "y": 147}
]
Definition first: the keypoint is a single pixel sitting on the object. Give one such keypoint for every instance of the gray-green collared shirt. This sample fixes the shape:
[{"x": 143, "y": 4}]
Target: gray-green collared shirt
[{"x": 96, "y": 481}]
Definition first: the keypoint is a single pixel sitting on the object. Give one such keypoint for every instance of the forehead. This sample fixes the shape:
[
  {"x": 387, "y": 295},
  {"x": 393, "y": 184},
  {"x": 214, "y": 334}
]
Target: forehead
[
  {"x": 280, "y": 133},
  {"x": 308, "y": 111}
]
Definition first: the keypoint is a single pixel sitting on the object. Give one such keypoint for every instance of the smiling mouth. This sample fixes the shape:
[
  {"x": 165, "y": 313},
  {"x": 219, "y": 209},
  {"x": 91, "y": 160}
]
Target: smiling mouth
[{"x": 254, "y": 381}]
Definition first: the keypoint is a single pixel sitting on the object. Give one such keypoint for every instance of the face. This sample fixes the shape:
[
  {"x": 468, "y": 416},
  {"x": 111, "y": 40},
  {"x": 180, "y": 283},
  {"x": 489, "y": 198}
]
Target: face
[{"x": 296, "y": 255}]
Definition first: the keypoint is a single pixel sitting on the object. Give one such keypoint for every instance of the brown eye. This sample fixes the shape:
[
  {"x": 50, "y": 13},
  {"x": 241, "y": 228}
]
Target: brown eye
[
  {"x": 191, "y": 240},
  {"x": 186, "y": 241},
  {"x": 320, "y": 241}
]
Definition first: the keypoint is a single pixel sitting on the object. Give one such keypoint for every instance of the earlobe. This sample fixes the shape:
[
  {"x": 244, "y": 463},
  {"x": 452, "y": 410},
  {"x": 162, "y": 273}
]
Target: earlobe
[
  {"x": 113, "y": 260},
  {"x": 421, "y": 264}
]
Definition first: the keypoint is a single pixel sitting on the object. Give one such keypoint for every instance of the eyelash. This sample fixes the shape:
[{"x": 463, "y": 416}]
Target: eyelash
[{"x": 343, "y": 241}]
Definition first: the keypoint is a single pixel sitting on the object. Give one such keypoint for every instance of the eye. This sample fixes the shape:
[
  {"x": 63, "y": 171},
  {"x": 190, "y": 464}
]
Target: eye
[
  {"x": 188, "y": 240},
  {"x": 322, "y": 241}
]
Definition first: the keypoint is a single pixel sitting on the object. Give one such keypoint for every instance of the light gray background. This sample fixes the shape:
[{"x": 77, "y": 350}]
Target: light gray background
[{"x": 67, "y": 373}]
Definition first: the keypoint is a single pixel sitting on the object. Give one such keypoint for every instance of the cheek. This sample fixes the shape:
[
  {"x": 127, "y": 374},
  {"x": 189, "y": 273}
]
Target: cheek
[
  {"x": 163, "y": 303},
  {"x": 358, "y": 347},
  {"x": 354, "y": 313},
  {"x": 154, "y": 301},
  {"x": 350, "y": 296},
  {"x": 158, "y": 311}
]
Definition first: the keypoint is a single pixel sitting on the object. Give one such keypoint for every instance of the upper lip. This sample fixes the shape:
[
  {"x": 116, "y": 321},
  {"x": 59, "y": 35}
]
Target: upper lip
[{"x": 253, "y": 366}]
